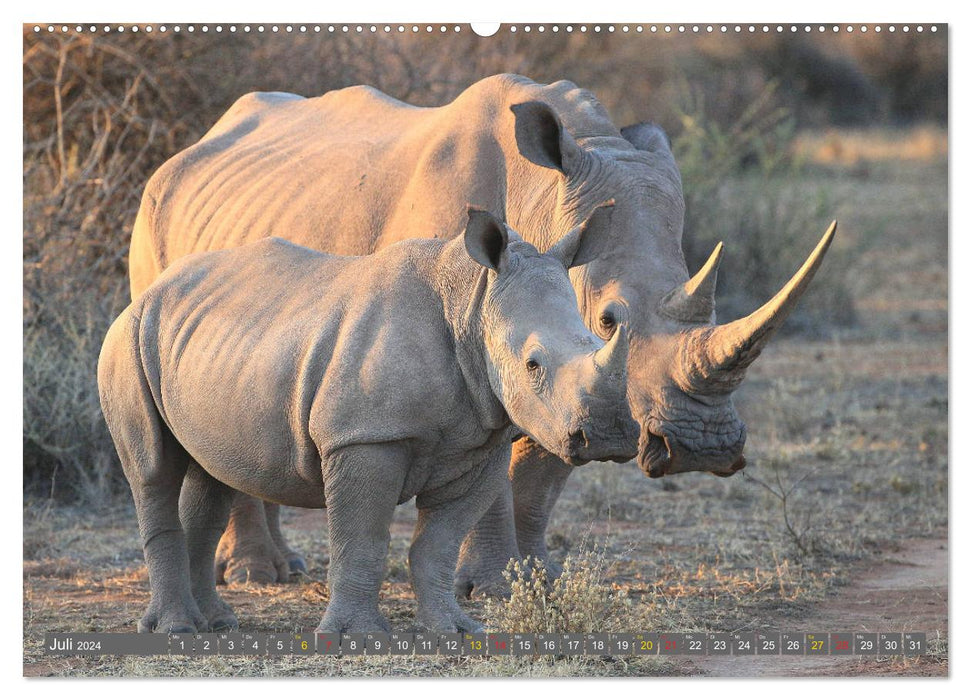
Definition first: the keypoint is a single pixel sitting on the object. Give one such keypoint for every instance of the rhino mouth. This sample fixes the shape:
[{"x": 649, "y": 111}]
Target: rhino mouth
[
  {"x": 656, "y": 457},
  {"x": 574, "y": 460},
  {"x": 736, "y": 467}
]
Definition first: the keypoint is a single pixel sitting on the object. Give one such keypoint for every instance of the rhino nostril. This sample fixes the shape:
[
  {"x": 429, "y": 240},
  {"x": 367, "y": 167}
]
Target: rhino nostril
[
  {"x": 578, "y": 439},
  {"x": 657, "y": 456}
]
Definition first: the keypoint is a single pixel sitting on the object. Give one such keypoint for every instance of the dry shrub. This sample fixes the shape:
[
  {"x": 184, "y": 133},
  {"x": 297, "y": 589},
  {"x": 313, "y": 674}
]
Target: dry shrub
[
  {"x": 97, "y": 121},
  {"x": 578, "y": 601}
]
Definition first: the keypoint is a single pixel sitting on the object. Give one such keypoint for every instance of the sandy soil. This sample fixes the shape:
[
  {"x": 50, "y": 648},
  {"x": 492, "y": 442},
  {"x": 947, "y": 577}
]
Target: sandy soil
[{"x": 905, "y": 590}]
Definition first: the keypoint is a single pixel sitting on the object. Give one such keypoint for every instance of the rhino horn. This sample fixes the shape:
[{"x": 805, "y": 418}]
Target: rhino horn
[
  {"x": 714, "y": 359},
  {"x": 611, "y": 359},
  {"x": 694, "y": 301}
]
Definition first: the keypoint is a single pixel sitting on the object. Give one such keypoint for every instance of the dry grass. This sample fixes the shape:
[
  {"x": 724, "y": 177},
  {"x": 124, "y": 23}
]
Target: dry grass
[
  {"x": 849, "y": 148},
  {"x": 579, "y": 600},
  {"x": 97, "y": 122},
  {"x": 743, "y": 187}
]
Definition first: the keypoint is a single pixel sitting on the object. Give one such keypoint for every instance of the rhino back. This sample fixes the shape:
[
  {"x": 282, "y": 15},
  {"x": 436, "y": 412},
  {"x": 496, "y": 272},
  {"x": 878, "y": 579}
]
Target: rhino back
[
  {"x": 348, "y": 173},
  {"x": 265, "y": 357}
]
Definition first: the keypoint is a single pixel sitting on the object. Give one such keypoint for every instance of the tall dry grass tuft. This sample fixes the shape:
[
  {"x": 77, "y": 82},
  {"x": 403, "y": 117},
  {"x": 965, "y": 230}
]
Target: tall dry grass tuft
[{"x": 579, "y": 600}]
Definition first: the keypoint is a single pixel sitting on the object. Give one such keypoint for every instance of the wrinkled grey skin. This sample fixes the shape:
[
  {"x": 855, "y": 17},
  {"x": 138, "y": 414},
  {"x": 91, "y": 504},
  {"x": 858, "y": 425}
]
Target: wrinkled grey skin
[
  {"x": 353, "y": 384},
  {"x": 375, "y": 170}
]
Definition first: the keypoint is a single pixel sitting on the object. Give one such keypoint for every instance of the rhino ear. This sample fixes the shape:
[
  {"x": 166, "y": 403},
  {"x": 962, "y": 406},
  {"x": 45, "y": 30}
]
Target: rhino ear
[
  {"x": 646, "y": 136},
  {"x": 587, "y": 241},
  {"x": 542, "y": 139},
  {"x": 486, "y": 239}
]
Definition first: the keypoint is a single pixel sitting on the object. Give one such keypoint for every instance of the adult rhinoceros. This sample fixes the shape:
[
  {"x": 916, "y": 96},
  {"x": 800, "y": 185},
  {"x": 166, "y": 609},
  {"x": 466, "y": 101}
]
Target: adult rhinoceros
[{"x": 376, "y": 170}]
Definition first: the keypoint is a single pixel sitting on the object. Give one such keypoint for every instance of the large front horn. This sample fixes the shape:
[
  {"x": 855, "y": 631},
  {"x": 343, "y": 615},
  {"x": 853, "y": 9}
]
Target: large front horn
[
  {"x": 714, "y": 359},
  {"x": 611, "y": 359}
]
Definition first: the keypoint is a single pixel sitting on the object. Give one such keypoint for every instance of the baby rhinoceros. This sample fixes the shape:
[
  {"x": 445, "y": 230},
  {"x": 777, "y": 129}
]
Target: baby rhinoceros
[{"x": 353, "y": 384}]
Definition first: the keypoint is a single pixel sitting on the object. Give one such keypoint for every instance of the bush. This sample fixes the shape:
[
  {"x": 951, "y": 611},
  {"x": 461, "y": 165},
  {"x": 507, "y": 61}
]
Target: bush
[
  {"x": 578, "y": 601},
  {"x": 743, "y": 187},
  {"x": 97, "y": 122}
]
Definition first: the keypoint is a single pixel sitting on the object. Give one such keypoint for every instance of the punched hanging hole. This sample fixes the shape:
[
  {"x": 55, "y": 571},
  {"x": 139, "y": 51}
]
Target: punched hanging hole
[{"x": 485, "y": 28}]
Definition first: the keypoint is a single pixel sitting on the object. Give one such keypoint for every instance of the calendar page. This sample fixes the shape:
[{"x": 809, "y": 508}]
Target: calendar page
[{"x": 519, "y": 350}]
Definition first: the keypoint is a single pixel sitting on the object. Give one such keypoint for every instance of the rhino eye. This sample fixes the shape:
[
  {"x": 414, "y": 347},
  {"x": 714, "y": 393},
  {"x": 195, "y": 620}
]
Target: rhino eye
[
  {"x": 608, "y": 322},
  {"x": 532, "y": 365}
]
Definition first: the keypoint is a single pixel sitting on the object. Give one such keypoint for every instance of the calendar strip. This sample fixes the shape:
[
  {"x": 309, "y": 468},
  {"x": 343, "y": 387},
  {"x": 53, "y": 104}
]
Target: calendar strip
[{"x": 492, "y": 644}]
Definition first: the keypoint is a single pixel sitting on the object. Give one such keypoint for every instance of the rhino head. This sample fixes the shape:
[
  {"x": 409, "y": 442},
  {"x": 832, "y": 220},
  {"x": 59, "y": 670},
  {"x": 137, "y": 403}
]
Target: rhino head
[
  {"x": 559, "y": 383},
  {"x": 691, "y": 423},
  {"x": 683, "y": 367}
]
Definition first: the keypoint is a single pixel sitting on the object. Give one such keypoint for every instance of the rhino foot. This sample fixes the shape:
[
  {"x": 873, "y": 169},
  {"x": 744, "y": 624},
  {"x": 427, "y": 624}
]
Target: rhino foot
[
  {"x": 226, "y": 622},
  {"x": 478, "y": 583},
  {"x": 345, "y": 620},
  {"x": 261, "y": 566},
  {"x": 449, "y": 620},
  {"x": 247, "y": 551},
  {"x": 250, "y": 571},
  {"x": 175, "y": 619},
  {"x": 297, "y": 564},
  {"x": 220, "y": 616}
]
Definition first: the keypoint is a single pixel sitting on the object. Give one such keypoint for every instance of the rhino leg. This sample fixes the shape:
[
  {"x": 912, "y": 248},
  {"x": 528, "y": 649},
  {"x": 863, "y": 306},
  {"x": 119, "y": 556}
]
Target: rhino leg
[
  {"x": 362, "y": 485},
  {"x": 295, "y": 562},
  {"x": 435, "y": 548},
  {"x": 487, "y": 549},
  {"x": 155, "y": 473},
  {"x": 173, "y": 608},
  {"x": 538, "y": 478},
  {"x": 204, "y": 506},
  {"x": 155, "y": 465},
  {"x": 246, "y": 552}
]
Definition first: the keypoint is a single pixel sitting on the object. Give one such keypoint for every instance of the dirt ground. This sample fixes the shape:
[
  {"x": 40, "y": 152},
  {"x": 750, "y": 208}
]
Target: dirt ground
[
  {"x": 902, "y": 590},
  {"x": 839, "y": 524}
]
